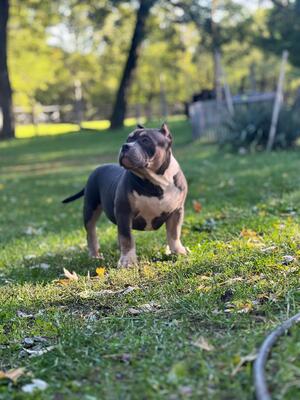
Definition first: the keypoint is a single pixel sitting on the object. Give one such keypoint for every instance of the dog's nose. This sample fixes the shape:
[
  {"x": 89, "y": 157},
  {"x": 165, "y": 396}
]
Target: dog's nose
[{"x": 125, "y": 148}]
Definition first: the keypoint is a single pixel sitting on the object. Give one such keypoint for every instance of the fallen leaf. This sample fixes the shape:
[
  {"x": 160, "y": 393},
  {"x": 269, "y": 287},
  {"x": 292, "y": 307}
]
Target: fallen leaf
[
  {"x": 36, "y": 352},
  {"x": 230, "y": 281},
  {"x": 246, "y": 308},
  {"x": 268, "y": 249},
  {"x": 243, "y": 360},
  {"x": 203, "y": 344},
  {"x": 36, "y": 384},
  {"x": 197, "y": 206},
  {"x": 86, "y": 294},
  {"x": 30, "y": 341},
  {"x": 71, "y": 275},
  {"x": 12, "y": 374},
  {"x": 42, "y": 266},
  {"x": 30, "y": 230},
  {"x": 100, "y": 271},
  {"x": 22, "y": 314},
  {"x": 287, "y": 259},
  {"x": 148, "y": 307},
  {"x": 29, "y": 257},
  {"x": 249, "y": 233},
  {"x": 63, "y": 282},
  {"x": 129, "y": 289}
]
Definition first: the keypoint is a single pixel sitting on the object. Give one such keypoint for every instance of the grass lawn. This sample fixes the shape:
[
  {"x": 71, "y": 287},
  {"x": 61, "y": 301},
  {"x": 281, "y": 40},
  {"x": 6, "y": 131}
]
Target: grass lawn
[{"x": 171, "y": 328}]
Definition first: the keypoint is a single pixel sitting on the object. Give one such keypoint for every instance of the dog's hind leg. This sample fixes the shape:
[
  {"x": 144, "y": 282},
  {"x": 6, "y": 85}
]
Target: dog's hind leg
[{"x": 90, "y": 216}]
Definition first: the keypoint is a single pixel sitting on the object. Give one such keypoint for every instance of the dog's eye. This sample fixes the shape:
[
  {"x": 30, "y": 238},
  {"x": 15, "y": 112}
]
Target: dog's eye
[{"x": 145, "y": 139}]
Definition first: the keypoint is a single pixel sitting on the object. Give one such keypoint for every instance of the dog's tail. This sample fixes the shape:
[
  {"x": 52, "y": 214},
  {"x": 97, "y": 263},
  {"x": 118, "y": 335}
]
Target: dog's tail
[{"x": 74, "y": 197}]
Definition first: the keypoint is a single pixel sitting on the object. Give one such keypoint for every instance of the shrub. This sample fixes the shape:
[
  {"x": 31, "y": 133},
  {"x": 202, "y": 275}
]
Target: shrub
[{"x": 249, "y": 128}]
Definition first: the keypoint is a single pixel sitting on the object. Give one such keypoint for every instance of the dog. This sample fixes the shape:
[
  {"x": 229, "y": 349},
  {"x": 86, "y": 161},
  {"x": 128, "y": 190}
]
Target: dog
[{"x": 146, "y": 190}]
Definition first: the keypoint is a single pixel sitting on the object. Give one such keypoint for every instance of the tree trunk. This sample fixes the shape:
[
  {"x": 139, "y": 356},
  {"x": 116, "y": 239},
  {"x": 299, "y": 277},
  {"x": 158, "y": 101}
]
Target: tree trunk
[
  {"x": 8, "y": 128},
  {"x": 119, "y": 110}
]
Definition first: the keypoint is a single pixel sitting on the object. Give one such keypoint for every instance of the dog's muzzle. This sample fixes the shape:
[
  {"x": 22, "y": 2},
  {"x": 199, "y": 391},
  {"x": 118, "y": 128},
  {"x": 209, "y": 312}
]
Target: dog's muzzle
[{"x": 131, "y": 158}]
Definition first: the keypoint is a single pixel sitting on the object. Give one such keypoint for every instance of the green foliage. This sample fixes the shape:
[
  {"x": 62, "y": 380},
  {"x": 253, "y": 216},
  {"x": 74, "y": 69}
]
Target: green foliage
[
  {"x": 249, "y": 128},
  {"x": 282, "y": 30},
  {"x": 52, "y": 44}
]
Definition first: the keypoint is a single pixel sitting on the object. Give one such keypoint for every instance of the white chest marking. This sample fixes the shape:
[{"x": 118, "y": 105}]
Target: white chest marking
[{"x": 152, "y": 207}]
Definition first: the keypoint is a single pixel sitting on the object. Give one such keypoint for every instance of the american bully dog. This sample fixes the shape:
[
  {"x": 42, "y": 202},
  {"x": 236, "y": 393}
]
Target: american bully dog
[{"x": 146, "y": 190}]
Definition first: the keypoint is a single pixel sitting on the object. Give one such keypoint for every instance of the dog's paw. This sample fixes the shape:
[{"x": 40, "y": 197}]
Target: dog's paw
[
  {"x": 127, "y": 260},
  {"x": 179, "y": 249},
  {"x": 96, "y": 255}
]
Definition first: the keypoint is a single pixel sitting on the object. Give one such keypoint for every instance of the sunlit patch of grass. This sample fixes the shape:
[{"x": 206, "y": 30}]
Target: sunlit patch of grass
[
  {"x": 28, "y": 131},
  {"x": 48, "y": 129}
]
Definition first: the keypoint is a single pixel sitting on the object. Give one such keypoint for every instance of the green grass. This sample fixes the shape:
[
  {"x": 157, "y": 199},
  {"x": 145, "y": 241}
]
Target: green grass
[{"x": 231, "y": 290}]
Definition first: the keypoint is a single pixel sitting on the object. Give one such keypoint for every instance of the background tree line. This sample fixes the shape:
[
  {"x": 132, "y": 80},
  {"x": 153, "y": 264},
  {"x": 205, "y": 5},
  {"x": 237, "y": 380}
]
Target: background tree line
[{"x": 123, "y": 52}]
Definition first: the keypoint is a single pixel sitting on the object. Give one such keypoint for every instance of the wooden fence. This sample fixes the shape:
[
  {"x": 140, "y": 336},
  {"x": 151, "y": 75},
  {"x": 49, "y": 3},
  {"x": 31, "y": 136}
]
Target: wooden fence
[
  {"x": 69, "y": 112},
  {"x": 208, "y": 118}
]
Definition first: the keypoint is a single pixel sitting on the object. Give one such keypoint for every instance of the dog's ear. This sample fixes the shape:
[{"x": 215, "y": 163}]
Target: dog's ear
[
  {"x": 165, "y": 131},
  {"x": 139, "y": 126}
]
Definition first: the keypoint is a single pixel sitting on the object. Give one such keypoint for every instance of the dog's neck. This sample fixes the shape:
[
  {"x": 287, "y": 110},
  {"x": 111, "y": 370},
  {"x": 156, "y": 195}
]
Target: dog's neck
[{"x": 163, "y": 180}]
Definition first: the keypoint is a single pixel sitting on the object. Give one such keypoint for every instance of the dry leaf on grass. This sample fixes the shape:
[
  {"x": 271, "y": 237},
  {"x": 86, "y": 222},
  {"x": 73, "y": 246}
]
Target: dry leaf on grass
[
  {"x": 23, "y": 314},
  {"x": 35, "y": 346},
  {"x": 70, "y": 275},
  {"x": 249, "y": 233},
  {"x": 203, "y": 344},
  {"x": 268, "y": 249},
  {"x": 12, "y": 374},
  {"x": 243, "y": 360},
  {"x": 42, "y": 266},
  {"x": 86, "y": 294},
  {"x": 148, "y": 307},
  {"x": 36, "y": 384},
  {"x": 239, "y": 307},
  {"x": 287, "y": 259},
  {"x": 36, "y": 352},
  {"x": 197, "y": 206}
]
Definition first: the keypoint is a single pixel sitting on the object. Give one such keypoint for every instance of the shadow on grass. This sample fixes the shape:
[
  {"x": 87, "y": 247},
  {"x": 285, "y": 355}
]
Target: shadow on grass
[{"x": 49, "y": 266}]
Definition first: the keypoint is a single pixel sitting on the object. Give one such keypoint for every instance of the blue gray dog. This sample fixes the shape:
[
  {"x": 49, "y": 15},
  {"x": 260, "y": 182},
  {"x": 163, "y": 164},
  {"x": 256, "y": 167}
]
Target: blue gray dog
[{"x": 146, "y": 190}]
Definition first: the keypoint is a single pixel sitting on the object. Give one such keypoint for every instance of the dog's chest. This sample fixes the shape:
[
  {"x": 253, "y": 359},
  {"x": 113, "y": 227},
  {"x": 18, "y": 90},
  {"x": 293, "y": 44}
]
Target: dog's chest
[{"x": 151, "y": 212}]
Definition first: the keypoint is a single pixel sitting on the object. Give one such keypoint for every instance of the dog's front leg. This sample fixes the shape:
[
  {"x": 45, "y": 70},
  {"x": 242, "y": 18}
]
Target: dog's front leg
[
  {"x": 126, "y": 241},
  {"x": 173, "y": 225}
]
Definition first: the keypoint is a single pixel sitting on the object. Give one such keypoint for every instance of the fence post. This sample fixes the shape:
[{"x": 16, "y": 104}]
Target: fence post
[
  {"x": 277, "y": 102},
  {"x": 228, "y": 97},
  {"x": 218, "y": 84}
]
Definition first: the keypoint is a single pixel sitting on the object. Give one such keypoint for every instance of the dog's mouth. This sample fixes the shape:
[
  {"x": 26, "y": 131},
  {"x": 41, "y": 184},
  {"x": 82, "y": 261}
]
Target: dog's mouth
[{"x": 128, "y": 163}]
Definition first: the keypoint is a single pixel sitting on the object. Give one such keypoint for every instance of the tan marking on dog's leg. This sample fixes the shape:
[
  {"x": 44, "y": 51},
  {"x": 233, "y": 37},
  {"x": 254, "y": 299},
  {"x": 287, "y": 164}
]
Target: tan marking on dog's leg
[
  {"x": 128, "y": 254},
  {"x": 92, "y": 241},
  {"x": 173, "y": 225}
]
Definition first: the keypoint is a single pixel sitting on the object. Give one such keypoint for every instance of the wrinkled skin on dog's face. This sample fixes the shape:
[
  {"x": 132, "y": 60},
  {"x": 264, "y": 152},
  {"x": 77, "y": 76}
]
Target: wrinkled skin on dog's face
[{"x": 146, "y": 149}]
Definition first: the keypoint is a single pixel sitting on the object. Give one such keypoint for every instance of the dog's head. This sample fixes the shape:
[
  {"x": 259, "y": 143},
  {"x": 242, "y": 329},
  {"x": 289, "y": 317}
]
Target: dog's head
[{"x": 147, "y": 149}]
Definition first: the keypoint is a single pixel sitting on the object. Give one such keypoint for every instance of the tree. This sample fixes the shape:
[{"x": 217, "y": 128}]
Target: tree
[
  {"x": 120, "y": 105},
  {"x": 8, "y": 129},
  {"x": 282, "y": 30}
]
